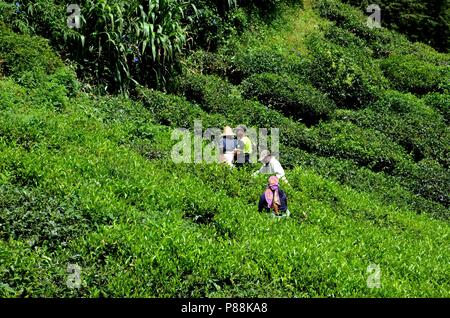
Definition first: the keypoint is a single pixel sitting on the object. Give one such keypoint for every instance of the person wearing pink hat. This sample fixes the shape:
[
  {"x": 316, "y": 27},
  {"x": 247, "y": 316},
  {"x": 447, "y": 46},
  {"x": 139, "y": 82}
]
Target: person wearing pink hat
[{"x": 274, "y": 199}]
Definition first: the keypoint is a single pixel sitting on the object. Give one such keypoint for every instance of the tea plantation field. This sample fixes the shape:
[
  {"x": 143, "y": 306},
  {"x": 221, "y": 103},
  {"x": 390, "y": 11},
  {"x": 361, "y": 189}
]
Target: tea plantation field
[{"x": 87, "y": 180}]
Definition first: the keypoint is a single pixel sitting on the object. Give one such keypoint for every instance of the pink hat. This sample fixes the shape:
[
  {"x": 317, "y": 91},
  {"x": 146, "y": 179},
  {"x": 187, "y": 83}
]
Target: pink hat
[{"x": 273, "y": 181}]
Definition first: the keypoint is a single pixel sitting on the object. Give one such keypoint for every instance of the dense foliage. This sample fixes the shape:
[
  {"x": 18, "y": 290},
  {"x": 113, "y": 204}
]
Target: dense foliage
[
  {"x": 87, "y": 178},
  {"x": 291, "y": 97},
  {"x": 424, "y": 21},
  {"x": 123, "y": 43}
]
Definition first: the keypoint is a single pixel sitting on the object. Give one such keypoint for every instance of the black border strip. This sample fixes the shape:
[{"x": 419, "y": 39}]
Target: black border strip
[{"x": 224, "y": 306}]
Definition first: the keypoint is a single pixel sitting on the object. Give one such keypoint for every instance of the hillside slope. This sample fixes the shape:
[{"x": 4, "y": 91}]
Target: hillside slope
[{"x": 87, "y": 180}]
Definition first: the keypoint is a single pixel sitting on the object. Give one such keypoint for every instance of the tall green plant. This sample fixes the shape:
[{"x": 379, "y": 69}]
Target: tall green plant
[
  {"x": 132, "y": 42},
  {"x": 119, "y": 43}
]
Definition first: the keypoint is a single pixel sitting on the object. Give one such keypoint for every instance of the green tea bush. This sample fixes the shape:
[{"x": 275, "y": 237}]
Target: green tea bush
[
  {"x": 426, "y": 53},
  {"x": 200, "y": 208},
  {"x": 440, "y": 102},
  {"x": 399, "y": 103},
  {"x": 349, "y": 18},
  {"x": 24, "y": 54},
  {"x": 251, "y": 62},
  {"x": 24, "y": 268},
  {"x": 389, "y": 189},
  {"x": 407, "y": 121},
  {"x": 116, "y": 110},
  {"x": 349, "y": 77},
  {"x": 23, "y": 131},
  {"x": 409, "y": 74},
  {"x": 31, "y": 62},
  {"x": 67, "y": 77},
  {"x": 290, "y": 96},
  {"x": 367, "y": 147},
  {"x": 10, "y": 94},
  {"x": 175, "y": 111},
  {"x": 343, "y": 37},
  {"x": 381, "y": 41},
  {"x": 413, "y": 124},
  {"x": 397, "y": 44},
  {"x": 208, "y": 63},
  {"x": 422, "y": 136},
  {"x": 428, "y": 179},
  {"x": 149, "y": 223},
  {"x": 424, "y": 21},
  {"x": 39, "y": 217},
  {"x": 392, "y": 43},
  {"x": 236, "y": 183},
  {"x": 51, "y": 94},
  {"x": 202, "y": 89}
]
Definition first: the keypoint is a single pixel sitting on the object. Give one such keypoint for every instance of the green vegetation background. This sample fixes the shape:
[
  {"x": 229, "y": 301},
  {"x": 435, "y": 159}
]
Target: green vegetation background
[{"x": 86, "y": 176}]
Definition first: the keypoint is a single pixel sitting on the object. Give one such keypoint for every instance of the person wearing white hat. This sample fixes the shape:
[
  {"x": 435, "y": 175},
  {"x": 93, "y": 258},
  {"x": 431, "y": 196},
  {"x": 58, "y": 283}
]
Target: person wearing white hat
[
  {"x": 228, "y": 146},
  {"x": 271, "y": 166}
]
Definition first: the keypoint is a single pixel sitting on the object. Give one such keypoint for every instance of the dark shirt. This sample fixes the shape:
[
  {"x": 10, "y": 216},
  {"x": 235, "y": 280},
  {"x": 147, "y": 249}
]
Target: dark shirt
[
  {"x": 263, "y": 203},
  {"x": 228, "y": 144}
]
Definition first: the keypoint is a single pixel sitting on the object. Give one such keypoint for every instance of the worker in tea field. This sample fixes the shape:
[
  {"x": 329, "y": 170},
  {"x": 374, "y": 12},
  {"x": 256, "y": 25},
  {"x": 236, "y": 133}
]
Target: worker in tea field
[
  {"x": 244, "y": 146},
  {"x": 228, "y": 147},
  {"x": 271, "y": 166},
  {"x": 274, "y": 199}
]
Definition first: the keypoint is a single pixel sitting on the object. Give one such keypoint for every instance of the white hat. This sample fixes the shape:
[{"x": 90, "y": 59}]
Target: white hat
[
  {"x": 264, "y": 154},
  {"x": 227, "y": 131}
]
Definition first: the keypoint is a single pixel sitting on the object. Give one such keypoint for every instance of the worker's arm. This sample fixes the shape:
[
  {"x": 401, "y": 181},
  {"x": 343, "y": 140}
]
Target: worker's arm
[
  {"x": 248, "y": 147},
  {"x": 258, "y": 171},
  {"x": 279, "y": 171}
]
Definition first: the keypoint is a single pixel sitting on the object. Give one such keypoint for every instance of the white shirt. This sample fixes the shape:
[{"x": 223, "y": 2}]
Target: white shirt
[{"x": 273, "y": 167}]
